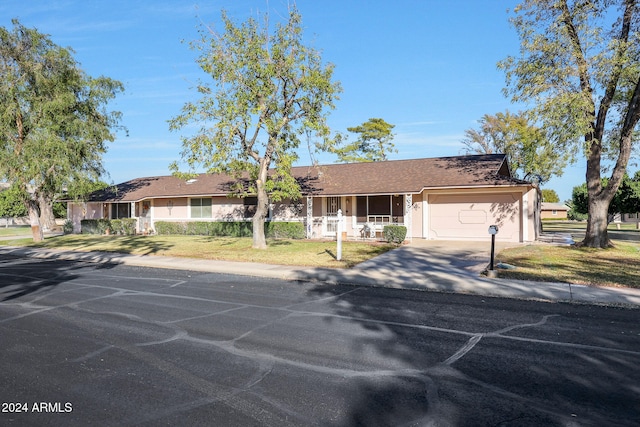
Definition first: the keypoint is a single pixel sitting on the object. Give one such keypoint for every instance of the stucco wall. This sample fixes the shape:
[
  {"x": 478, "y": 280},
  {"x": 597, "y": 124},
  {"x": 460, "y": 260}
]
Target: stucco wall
[
  {"x": 548, "y": 214},
  {"x": 416, "y": 216},
  {"x": 174, "y": 209},
  {"x": 79, "y": 211}
]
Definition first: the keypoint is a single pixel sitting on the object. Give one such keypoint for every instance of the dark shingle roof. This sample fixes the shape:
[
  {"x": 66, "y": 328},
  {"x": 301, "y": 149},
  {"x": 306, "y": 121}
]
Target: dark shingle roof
[{"x": 388, "y": 177}]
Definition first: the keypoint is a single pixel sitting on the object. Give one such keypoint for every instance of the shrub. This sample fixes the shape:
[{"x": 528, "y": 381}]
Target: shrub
[
  {"x": 126, "y": 226},
  {"x": 89, "y": 226},
  {"x": 100, "y": 226},
  {"x": 197, "y": 229},
  {"x": 576, "y": 216},
  {"x": 285, "y": 230},
  {"x": 116, "y": 226},
  {"x": 67, "y": 228},
  {"x": 103, "y": 225},
  {"x": 94, "y": 226},
  {"x": 163, "y": 227},
  {"x": 394, "y": 233},
  {"x": 231, "y": 229}
]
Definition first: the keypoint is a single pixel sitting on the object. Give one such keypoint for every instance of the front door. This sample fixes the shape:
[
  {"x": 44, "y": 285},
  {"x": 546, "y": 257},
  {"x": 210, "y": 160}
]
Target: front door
[{"x": 333, "y": 204}]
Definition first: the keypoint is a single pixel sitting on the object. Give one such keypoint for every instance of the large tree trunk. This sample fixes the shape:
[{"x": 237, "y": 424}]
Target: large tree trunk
[
  {"x": 600, "y": 197},
  {"x": 597, "y": 235},
  {"x": 47, "y": 218},
  {"x": 34, "y": 220},
  {"x": 259, "y": 239}
]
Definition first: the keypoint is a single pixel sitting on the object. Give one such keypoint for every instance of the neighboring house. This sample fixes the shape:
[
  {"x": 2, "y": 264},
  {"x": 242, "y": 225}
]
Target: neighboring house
[
  {"x": 553, "y": 211},
  {"x": 630, "y": 217},
  {"x": 449, "y": 198}
]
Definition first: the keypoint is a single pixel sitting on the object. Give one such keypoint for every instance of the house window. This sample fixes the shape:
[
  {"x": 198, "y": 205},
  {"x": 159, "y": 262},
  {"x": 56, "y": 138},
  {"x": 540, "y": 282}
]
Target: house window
[
  {"x": 379, "y": 205},
  {"x": 554, "y": 212},
  {"x": 201, "y": 208},
  {"x": 389, "y": 207},
  {"x": 361, "y": 208},
  {"x": 120, "y": 210}
]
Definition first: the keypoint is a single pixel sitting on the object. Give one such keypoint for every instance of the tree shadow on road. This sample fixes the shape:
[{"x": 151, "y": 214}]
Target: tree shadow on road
[
  {"x": 21, "y": 277},
  {"x": 426, "y": 337},
  {"x": 140, "y": 245}
]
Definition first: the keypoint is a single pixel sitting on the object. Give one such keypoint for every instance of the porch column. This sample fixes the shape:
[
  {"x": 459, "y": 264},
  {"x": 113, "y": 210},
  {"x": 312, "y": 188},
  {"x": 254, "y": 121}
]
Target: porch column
[
  {"x": 150, "y": 216},
  {"x": 133, "y": 215},
  {"x": 309, "y": 217},
  {"x": 408, "y": 214},
  {"x": 525, "y": 217}
]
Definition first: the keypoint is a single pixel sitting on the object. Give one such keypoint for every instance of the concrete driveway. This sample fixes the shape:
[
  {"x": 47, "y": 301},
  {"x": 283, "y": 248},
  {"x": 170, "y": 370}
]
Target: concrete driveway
[{"x": 426, "y": 256}]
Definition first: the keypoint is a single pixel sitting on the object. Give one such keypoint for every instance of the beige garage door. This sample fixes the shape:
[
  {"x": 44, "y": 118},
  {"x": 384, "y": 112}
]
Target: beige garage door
[{"x": 468, "y": 216}]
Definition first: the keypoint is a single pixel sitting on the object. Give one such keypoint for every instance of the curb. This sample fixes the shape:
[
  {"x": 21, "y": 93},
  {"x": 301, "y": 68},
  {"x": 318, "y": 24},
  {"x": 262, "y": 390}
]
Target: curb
[{"x": 458, "y": 282}]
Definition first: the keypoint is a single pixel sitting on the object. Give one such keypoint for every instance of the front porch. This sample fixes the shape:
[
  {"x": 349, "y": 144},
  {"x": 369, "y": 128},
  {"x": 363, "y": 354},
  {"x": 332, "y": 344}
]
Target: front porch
[{"x": 364, "y": 217}]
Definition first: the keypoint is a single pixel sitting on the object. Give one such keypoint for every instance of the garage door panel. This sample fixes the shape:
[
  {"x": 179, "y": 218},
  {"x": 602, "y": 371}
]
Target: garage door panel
[{"x": 468, "y": 216}]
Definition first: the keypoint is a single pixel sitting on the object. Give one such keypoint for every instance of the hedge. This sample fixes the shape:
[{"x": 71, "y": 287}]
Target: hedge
[
  {"x": 125, "y": 226},
  {"x": 284, "y": 230},
  {"x": 94, "y": 226},
  {"x": 394, "y": 233},
  {"x": 278, "y": 230}
]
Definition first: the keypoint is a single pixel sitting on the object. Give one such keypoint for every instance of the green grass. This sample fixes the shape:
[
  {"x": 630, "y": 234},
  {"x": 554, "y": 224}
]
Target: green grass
[
  {"x": 22, "y": 230},
  {"x": 627, "y": 230},
  {"x": 617, "y": 266},
  {"x": 310, "y": 253},
  {"x": 582, "y": 225}
]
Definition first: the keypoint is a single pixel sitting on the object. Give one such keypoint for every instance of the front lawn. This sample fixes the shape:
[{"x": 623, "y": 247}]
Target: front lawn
[
  {"x": 311, "y": 253},
  {"x": 619, "y": 266},
  {"x": 15, "y": 230}
]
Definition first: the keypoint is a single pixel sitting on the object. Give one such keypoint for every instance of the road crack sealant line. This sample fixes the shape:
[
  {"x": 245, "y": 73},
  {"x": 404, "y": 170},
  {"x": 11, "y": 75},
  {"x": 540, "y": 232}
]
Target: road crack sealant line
[
  {"x": 464, "y": 349},
  {"x": 471, "y": 343}
]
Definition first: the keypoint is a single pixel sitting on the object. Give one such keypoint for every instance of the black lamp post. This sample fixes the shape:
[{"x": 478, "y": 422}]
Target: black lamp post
[{"x": 493, "y": 230}]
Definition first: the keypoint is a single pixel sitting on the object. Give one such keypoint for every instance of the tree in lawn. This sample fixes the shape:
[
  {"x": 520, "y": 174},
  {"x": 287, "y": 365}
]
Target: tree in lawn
[
  {"x": 268, "y": 90},
  {"x": 11, "y": 204},
  {"x": 531, "y": 154},
  {"x": 580, "y": 65},
  {"x": 372, "y": 145},
  {"x": 626, "y": 200},
  {"x": 550, "y": 196},
  {"x": 53, "y": 120}
]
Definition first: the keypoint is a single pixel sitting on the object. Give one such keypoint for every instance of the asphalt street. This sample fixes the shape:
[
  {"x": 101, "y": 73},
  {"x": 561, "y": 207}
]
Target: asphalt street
[{"x": 115, "y": 345}]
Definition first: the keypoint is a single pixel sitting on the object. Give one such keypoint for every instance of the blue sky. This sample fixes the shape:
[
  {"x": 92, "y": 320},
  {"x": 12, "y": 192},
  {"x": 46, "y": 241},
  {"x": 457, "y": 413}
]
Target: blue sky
[{"x": 426, "y": 66}]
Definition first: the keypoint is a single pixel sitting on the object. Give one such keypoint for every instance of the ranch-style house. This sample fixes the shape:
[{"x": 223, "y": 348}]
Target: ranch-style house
[{"x": 447, "y": 198}]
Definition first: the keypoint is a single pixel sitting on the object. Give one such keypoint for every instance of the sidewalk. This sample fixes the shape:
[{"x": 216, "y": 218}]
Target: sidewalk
[{"x": 416, "y": 267}]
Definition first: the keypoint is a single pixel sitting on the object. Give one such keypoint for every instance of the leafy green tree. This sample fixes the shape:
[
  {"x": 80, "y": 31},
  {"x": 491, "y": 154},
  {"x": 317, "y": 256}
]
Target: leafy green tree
[
  {"x": 580, "y": 199},
  {"x": 531, "y": 155},
  {"x": 372, "y": 145},
  {"x": 550, "y": 196},
  {"x": 267, "y": 90},
  {"x": 579, "y": 64},
  {"x": 626, "y": 199},
  {"x": 53, "y": 119},
  {"x": 78, "y": 191},
  {"x": 12, "y": 203}
]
